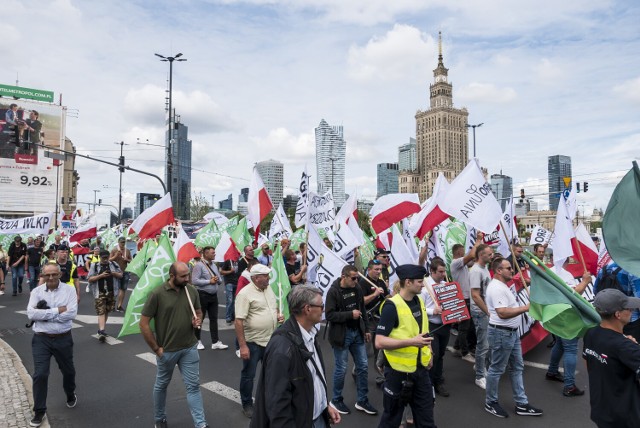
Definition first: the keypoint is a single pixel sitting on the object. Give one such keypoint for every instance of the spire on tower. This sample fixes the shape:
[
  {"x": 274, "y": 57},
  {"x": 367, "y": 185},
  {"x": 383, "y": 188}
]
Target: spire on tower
[{"x": 439, "y": 47}]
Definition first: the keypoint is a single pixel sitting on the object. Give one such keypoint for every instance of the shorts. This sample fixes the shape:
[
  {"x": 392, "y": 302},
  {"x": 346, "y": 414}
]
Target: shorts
[
  {"x": 124, "y": 281},
  {"x": 104, "y": 304}
]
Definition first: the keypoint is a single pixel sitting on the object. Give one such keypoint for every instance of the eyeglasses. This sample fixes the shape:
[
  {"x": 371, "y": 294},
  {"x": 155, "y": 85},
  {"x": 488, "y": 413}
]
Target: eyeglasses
[
  {"x": 317, "y": 306},
  {"x": 384, "y": 257},
  {"x": 354, "y": 278},
  {"x": 49, "y": 275}
]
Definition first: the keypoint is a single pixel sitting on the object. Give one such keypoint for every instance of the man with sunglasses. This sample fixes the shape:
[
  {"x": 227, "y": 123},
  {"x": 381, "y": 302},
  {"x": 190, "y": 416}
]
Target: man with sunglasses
[
  {"x": 348, "y": 332},
  {"x": 504, "y": 341},
  {"x": 382, "y": 256},
  {"x": 374, "y": 291}
]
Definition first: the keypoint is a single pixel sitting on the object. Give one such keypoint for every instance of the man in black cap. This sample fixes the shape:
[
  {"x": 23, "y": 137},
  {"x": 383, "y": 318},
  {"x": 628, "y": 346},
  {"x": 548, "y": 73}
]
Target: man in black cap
[
  {"x": 68, "y": 269},
  {"x": 403, "y": 334},
  {"x": 613, "y": 362},
  {"x": 382, "y": 256}
]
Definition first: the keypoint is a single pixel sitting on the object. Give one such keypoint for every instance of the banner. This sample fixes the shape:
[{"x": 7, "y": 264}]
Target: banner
[
  {"x": 540, "y": 235},
  {"x": 38, "y": 224},
  {"x": 321, "y": 210},
  {"x": 328, "y": 270},
  {"x": 344, "y": 241},
  {"x": 80, "y": 256},
  {"x": 280, "y": 227},
  {"x": 208, "y": 236},
  {"x": 302, "y": 207},
  {"x": 450, "y": 299}
]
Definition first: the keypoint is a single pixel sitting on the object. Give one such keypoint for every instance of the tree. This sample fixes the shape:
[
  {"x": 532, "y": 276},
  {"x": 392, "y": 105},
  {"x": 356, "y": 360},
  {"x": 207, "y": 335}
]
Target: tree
[{"x": 199, "y": 207}]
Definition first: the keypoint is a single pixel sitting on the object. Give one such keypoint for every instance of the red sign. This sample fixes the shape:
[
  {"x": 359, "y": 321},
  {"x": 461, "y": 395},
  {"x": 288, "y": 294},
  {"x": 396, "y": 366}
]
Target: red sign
[
  {"x": 449, "y": 297},
  {"x": 30, "y": 159}
]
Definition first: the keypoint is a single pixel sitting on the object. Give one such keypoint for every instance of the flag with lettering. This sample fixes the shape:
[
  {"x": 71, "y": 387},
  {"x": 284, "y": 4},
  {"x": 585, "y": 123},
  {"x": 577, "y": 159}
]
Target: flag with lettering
[
  {"x": 280, "y": 226},
  {"x": 142, "y": 257},
  {"x": 279, "y": 281},
  {"x": 344, "y": 240},
  {"x": 298, "y": 237},
  {"x": 156, "y": 273},
  {"x": 208, "y": 236},
  {"x": 302, "y": 207},
  {"x": 328, "y": 270},
  {"x": 241, "y": 235},
  {"x": 400, "y": 254}
]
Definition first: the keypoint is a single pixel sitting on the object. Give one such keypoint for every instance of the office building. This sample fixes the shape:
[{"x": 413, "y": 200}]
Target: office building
[
  {"x": 331, "y": 150},
  {"x": 127, "y": 213},
  {"x": 226, "y": 204},
  {"x": 290, "y": 202},
  {"x": 387, "y": 178},
  {"x": 180, "y": 163},
  {"x": 559, "y": 176},
  {"x": 272, "y": 172},
  {"x": 144, "y": 201},
  {"x": 407, "y": 156},
  {"x": 242, "y": 201},
  {"x": 502, "y": 188}
]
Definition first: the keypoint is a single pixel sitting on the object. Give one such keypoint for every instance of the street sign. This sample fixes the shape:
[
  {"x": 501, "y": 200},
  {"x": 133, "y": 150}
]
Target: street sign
[
  {"x": 567, "y": 181},
  {"x": 56, "y": 156},
  {"x": 566, "y": 193}
]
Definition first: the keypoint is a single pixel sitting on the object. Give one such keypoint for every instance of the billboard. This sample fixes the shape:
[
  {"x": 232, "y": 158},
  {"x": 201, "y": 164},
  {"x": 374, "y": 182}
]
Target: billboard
[{"x": 27, "y": 177}]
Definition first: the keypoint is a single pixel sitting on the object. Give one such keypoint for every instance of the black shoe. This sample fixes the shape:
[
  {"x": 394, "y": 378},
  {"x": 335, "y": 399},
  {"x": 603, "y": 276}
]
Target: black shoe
[
  {"x": 441, "y": 390},
  {"x": 119, "y": 309},
  {"x": 557, "y": 377},
  {"x": 102, "y": 336},
  {"x": 340, "y": 407},
  {"x": 496, "y": 409},
  {"x": 161, "y": 424},
  {"x": 248, "y": 410},
  {"x": 573, "y": 391},
  {"x": 37, "y": 419},
  {"x": 20, "y": 289},
  {"x": 527, "y": 410},
  {"x": 366, "y": 407},
  {"x": 72, "y": 401}
]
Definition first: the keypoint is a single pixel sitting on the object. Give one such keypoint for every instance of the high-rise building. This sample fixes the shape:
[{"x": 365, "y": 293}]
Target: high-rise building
[
  {"x": 290, "y": 202},
  {"x": 441, "y": 137},
  {"x": 144, "y": 201},
  {"x": 502, "y": 188},
  {"x": 226, "y": 204},
  {"x": 242, "y": 201},
  {"x": 180, "y": 186},
  {"x": 272, "y": 172},
  {"x": 331, "y": 150},
  {"x": 559, "y": 171},
  {"x": 127, "y": 213},
  {"x": 387, "y": 178},
  {"x": 407, "y": 156}
]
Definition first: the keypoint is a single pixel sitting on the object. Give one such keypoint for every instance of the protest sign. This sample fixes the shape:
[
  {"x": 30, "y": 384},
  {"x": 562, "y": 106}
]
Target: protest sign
[
  {"x": 321, "y": 210},
  {"x": 38, "y": 224},
  {"x": 450, "y": 299}
]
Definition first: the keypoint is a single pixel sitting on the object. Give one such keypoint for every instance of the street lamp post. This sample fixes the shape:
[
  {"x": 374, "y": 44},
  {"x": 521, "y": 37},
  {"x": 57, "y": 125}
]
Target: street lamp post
[
  {"x": 474, "y": 135},
  {"x": 170, "y": 60}
]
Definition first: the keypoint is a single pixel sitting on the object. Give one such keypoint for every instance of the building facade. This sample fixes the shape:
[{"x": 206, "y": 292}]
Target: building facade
[
  {"x": 559, "y": 169},
  {"x": 331, "y": 150},
  {"x": 144, "y": 201},
  {"x": 407, "y": 156},
  {"x": 180, "y": 164},
  {"x": 70, "y": 178},
  {"x": 441, "y": 134},
  {"x": 127, "y": 213},
  {"x": 502, "y": 188},
  {"x": 226, "y": 204},
  {"x": 387, "y": 178},
  {"x": 272, "y": 174}
]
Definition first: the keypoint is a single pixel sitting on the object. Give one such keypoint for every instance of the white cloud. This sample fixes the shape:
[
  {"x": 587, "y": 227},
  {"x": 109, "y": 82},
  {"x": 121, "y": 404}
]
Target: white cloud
[
  {"x": 281, "y": 145},
  {"x": 548, "y": 71},
  {"x": 486, "y": 93},
  {"x": 629, "y": 90},
  {"x": 403, "y": 52}
]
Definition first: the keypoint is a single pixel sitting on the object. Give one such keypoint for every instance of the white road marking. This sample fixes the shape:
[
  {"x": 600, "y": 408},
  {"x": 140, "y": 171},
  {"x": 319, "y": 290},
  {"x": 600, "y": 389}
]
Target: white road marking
[
  {"x": 223, "y": 390},
  {"x": 109, "y": 340},
  {"x": 148, "y": 356},
  {"x": 93, "y": 319}
]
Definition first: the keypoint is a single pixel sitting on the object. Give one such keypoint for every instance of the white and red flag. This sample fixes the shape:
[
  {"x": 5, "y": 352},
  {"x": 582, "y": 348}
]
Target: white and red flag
[
  {"x": 226, "y": 249},
  {"x": 184, "y": 248},
  {"x": 430, "y": 214},
  {"x": 470, "y": 200},
  {"x": 563, "y": 233},
  {"x": 259, "y": 203},
  {"x": 392, "y": 208},
  {"x": 348, "y": 209},
  {"x": 87, "y": 230},
  {"x": 587, "y": 248},
  {"x": 153, "y": 219}
]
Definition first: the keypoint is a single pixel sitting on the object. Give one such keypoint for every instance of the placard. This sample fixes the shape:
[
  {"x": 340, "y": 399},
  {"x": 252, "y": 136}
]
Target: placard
[{"x": 449, "y": 297}]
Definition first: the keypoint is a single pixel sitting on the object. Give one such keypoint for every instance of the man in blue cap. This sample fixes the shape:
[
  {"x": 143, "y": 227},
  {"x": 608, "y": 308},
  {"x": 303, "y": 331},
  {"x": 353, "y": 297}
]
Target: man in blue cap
[{"x": 403, "y": 334}]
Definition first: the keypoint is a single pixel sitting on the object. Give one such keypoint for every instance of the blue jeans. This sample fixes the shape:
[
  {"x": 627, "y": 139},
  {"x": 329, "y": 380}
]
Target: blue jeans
[
  {"x": 230, "y": 292},
  {"x": 481, "y": 322},
  {"x": 505, "y": 349},
  {"x": 188, "y": 361},
  {"x": 353, "y": 343},
  {"x": 248, "y": 373},
  {"x": 17, "y": 274},
  {"x": 34, "y": 276},
  {"x": 568, "y": 347}
]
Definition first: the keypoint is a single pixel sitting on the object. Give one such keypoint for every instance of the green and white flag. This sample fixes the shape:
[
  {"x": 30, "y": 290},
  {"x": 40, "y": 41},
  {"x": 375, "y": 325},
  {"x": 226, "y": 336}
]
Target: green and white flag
[
  {"x": 156, "y": 273},
  {"x": 208, "y": 236},
  {"x": 298, "y": 237},
  {"x": 279, "y": 281},
  {"x": 366, "y": 250},
  {"x": 241, "y": 235},
  {"x": 109, "y": 239},
  {"x": 6, "y": 240},
  {"x": 141, "y": 259},
  {"x": 229, "y": 225}
]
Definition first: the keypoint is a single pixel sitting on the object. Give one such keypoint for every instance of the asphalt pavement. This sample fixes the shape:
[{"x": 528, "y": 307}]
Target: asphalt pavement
[{"x": 115, "y": 381}]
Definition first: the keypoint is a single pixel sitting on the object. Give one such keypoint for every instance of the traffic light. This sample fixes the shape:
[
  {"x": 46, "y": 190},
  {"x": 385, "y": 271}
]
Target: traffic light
[
  {"x": 586, "y": 187},
  {"x": 121, "y": 167},
  {"x": 99, "y": 201},
  {"x": 578, "y": 187}
]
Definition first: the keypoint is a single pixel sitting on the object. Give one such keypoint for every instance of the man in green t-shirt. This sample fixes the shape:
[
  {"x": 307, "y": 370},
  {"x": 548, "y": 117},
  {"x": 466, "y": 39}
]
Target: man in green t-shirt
[{"x": 174, "y": 342}]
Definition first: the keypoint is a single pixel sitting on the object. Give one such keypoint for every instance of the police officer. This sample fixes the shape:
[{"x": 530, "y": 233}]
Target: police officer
[{"x": 403, "y": 335}]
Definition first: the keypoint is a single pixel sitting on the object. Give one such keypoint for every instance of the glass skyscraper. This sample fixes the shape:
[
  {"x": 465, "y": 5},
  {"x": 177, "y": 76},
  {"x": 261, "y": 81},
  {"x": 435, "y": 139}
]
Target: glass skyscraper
[
  {"x": 331, "y": 150},
  {"x": 559, "y": 168},
  {"x": 180, "y": 186},
  {"x": 387, "y": 178},
  {"x": 502, "y": 188}
]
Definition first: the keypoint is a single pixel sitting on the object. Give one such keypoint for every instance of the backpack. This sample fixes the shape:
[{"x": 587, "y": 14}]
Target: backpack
[{"x": 609, "y": 279}]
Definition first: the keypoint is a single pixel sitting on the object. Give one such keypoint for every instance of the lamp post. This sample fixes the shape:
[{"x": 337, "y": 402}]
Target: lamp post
[
  {"x": 170, "y": 60},
  {"x": 474, "y": 135}
]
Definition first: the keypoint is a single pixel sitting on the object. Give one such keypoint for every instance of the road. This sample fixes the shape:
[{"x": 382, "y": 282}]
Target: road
[{"x": 115, "y": 381}]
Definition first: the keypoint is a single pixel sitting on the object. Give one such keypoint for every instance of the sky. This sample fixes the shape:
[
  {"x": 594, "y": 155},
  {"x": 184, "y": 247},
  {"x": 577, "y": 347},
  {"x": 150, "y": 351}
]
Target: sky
[{"x": 544, "y": 77}]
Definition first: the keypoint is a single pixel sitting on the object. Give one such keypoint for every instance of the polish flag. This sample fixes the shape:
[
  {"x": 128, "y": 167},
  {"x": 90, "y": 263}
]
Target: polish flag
[
  {"x": 86, "y": 231},
  {"x": 153, "y": 219},
  {"x": 392, "y": 208},
  {"x": 226, "y": 249},
  {"x": 259, "y": 203},
  {"x": 588, "y": 249},
  {"x": 384, "y": 240},
  {"x": 430, "y": 215},
  {"x": 347, "y": 210},
  {"x": 184, "y": 248}
]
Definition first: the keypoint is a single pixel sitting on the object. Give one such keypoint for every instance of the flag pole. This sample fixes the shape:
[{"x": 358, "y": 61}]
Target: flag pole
[
  {"x": 504, "y": 231},
  {"x": 367, "y": 279},
  {"x": 193, "y": 311}
]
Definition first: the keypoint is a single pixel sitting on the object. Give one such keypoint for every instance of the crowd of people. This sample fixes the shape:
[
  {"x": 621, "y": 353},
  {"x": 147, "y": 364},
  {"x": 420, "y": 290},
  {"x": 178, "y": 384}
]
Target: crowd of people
[{"x": 402, "y": 322}]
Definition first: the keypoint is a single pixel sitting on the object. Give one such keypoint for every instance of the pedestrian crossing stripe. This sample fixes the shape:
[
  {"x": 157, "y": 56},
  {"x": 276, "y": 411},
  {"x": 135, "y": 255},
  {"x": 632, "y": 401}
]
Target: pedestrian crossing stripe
[{"x": 109, "y": 340}]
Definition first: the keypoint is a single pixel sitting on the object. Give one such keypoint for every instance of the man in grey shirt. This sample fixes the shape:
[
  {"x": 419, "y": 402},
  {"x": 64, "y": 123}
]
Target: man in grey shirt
[
  {"x": 479, "y": 279},
  {"x": 466, "y": 339}
]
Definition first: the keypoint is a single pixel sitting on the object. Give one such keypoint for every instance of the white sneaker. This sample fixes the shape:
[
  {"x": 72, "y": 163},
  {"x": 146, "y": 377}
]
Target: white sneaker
[
  {"x": 238, "y": 353},
  {"x": 481, "y": 383},
  {"x": 470, "y": 358},
  {"x": 200, "y": 345},
  {"x": 219, "y": 345}
]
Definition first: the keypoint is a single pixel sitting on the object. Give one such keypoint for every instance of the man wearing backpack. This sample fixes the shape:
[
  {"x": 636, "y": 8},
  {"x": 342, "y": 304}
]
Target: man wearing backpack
[{"x": 613, "y": 276}]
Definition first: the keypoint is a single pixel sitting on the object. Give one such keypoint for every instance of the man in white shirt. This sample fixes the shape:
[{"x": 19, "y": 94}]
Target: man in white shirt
[
  {"x": 504, "y": 342},
  {"x": 479, "y": 279},
  {"x": 466, "y": 340}
]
